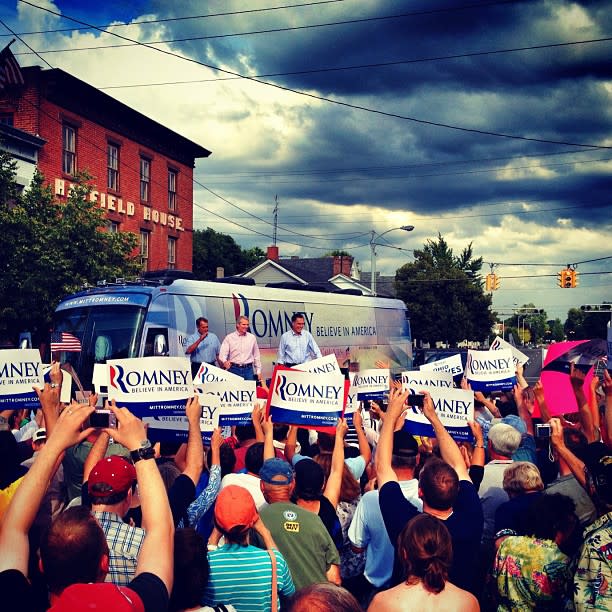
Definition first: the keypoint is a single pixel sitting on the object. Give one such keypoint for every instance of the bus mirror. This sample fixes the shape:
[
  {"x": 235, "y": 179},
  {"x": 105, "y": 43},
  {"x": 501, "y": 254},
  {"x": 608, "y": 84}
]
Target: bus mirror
[{"x": 160, "y": 346}]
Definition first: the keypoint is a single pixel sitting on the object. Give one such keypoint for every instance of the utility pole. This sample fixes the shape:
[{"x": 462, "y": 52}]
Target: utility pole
[{"x": 275, "y": 219}]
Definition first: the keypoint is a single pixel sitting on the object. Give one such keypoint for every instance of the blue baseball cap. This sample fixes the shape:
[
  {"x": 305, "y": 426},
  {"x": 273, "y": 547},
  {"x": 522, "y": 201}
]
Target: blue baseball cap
[{"x": 276, "y": 472}]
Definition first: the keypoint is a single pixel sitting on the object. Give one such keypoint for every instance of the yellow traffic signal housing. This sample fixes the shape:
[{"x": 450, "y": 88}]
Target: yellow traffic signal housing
[
  {"x": 567, "y": 278},
  {"x": 492, "y": 282}
]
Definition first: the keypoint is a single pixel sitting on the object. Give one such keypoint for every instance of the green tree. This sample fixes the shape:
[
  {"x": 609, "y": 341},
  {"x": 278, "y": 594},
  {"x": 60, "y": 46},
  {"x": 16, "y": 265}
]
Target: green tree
[
  {"x": 556, "y": 330},
  {"x": 50, "y": 249},
  {"x": 573, "y": 326},
  {"x": 444, "y": 294},
  {"x": 213, "y": 249}
]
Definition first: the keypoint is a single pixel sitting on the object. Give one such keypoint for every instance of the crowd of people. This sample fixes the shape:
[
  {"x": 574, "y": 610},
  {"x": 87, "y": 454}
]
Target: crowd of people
[{"x": 271, "y": 517}]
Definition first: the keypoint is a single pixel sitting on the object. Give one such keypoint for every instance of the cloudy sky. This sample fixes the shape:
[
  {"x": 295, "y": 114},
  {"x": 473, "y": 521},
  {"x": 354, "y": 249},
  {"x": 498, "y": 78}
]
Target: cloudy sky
[{"x": 487, "y": 122}]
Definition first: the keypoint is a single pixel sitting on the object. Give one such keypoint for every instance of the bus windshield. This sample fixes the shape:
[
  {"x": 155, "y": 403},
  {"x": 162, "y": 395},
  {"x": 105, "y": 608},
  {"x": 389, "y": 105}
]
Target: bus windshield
[{"x": 105, "y": 332}]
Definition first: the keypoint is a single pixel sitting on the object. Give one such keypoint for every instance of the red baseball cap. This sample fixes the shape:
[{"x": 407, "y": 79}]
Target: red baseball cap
[
  {"x": 114, "y": 472},
  {"x": 235, "y": 507},
  {"x": 100, "y": 596}
]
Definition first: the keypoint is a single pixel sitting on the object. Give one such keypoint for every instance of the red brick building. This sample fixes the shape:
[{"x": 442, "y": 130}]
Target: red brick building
[{"x": 142, "y": 171}]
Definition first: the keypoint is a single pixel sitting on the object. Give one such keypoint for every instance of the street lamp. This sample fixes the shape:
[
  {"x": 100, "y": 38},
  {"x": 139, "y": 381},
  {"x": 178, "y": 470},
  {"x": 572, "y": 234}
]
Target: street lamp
[{"x": 373, "y": 245}]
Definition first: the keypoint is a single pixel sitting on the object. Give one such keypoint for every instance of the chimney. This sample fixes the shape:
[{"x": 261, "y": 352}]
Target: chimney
[
  {"x": 272, "y": 252},
  {"x": 220, "y": 272},
  {"x": 342, "y": 265}
]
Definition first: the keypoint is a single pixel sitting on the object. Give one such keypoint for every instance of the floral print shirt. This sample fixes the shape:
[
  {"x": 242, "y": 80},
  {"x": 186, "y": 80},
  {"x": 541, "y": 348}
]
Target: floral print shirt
[
  {"x": 593, "y": 578},
  {"x": 531, "y": 574}
]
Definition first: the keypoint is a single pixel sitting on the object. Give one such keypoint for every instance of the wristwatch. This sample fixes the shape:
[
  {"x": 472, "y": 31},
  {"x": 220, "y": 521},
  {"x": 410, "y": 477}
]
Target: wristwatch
[{"x": 145, "y": 451}]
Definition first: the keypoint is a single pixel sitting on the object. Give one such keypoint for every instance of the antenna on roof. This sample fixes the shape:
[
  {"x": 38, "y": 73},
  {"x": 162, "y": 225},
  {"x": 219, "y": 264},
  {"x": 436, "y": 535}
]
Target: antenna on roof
[{"x": 275, "y": 219}]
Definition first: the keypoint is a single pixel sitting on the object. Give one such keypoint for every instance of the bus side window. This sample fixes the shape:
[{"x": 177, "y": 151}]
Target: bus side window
[{"x": 156, "y": 344}]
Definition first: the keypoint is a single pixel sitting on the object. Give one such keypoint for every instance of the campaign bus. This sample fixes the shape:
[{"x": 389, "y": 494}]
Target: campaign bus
[{"x": 148, "y": 318}]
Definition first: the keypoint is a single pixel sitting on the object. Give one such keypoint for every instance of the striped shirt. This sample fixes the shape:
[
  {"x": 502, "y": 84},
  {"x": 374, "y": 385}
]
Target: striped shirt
[
  {"x": 242, "y": 576},
  {"x": 241, "y": 349},
  {"x": 124, "y": 543}
]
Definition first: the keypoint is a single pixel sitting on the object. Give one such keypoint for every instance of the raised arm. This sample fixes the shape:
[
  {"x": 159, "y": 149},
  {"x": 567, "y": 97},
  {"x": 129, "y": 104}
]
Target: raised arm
[
  {"x": 558, "y": 442},
  {"x": 334, "y": 480},
  {"x": 19, "y": 516},
  {"x": 97, "y": 452},
  {"x": 586, "y": 418},
  {"x": 520, "y": 378},
  {"x": 538, "y": 391},
  {"x": 525, "y": 398},
  {"x": 268, "y": 430},
  {"x": 448, "y": 447},
  {"x": 157, "y": 553},
  {"x": 194, "y": 459},
  {"x": 384, "y": 450},
  {"x": 291, "y": 443},
  {"x": 364, "y": 447},
  {"x": 257, "y": 417}
]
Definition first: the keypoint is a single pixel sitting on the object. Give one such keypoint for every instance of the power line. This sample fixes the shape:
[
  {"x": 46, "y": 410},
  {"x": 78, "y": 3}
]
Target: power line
[
  {"x": 331, "y": 100},
  {"x": 246, "y": 11},
  {"x": 320, "y": 70}
]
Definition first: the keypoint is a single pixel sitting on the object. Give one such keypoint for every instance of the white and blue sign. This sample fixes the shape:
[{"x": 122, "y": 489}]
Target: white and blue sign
[
  {"x": 236, "y": 400},
  {"x": 322, "y": 365},
  {"x": 352, "y": 401},
  {"x": 20, "y": 370},
  {"x": 212, "y": 374},
  {"x": 500, "y": 343},
  {"x": 301, "y": 398},
  {"x": 417, "y": 380},
  {"x": 151, "y": 386},
  {"x": 454, "y": 407},
  {"x": 175, "y": 428},
  {"x": 450, "y": 364},
  {"x": 489, "y": 371},
  {"x": 372, "y": 384}
]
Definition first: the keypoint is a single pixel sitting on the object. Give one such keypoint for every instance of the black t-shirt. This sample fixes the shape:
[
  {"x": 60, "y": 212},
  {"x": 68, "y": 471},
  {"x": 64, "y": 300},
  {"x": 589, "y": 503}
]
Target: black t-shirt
[
  {"x": 328, "y": 516},
  {"x": 464, "y": 524}
]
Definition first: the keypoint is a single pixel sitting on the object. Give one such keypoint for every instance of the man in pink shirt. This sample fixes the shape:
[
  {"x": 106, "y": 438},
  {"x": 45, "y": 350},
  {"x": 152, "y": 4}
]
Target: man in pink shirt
[{"x": 239, "y": 352}]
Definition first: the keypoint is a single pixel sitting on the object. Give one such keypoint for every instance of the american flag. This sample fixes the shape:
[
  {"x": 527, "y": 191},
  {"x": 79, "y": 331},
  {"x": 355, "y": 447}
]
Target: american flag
[
  {"x": 10, "y": 72},
  {"x": 64, "y": 341}
]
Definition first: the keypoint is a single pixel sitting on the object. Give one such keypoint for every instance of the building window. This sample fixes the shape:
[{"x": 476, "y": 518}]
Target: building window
[
  {"x": 113, "y": 166},
  {"x": 145, "y": 179},
  {"x": 6, "y": 119},
  {"x": 112, "y": 226},
  {"x": 144, "y": 249},
  {"x": 172, "y": 178},
  {"x": 171, "y": 253},
  {"x": 68, "y": 149}
]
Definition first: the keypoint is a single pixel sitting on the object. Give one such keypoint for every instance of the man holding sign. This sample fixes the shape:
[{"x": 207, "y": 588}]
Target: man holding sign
[{"x": 444, "y": 486}]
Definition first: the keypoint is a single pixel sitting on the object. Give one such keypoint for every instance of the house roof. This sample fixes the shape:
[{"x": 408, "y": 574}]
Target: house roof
[{"x": 385, "y": 285}]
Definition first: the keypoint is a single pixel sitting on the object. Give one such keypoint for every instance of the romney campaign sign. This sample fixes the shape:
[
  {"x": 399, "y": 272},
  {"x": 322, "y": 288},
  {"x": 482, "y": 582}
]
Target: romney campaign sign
[
  {"x": 488, "y": 371},
  {"x": 417, "y": 380},
  {"x": 236, "y": 400},
  {"x": 212, "y": 374},
  {"x": 175, "y": 428},
  {"x": 454, "y": 407},
  {"x": 302, "y": 398},
  {"x": 500, "y": 343},
  {"x": 450, "y": 364},
  {"x": 150, "y": 386},
  {"x": 371, "y": 384},
  {"x": 20, "y": 370},
  {"x": 322, "y": 365}
]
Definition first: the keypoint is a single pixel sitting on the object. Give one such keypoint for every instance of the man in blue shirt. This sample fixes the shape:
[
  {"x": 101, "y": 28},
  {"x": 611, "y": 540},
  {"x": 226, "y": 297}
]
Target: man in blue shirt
[
  {"x": 297, "y": 345},
  {"x": 202, "y": 347}
]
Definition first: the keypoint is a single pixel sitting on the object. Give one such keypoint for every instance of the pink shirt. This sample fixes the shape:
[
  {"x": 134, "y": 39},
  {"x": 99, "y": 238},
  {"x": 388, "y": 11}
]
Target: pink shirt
[{"x": 241, "y": 349}]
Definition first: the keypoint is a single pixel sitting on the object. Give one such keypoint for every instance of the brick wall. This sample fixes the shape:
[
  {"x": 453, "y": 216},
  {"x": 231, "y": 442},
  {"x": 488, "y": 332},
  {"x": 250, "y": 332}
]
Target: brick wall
[{"x": 122, "y": 206}]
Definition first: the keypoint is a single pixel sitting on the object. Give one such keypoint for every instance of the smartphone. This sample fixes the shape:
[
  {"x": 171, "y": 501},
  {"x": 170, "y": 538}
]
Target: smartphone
[
  {"x": 102, "y": 418},
  {"x": 415, "y": 399},
  {"x": 542, "y": 430},
  {"x": 600, "y": 366}
]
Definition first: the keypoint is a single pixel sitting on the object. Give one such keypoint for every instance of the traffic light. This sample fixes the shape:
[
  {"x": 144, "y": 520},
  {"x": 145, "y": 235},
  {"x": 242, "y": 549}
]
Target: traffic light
[
  {"x": 566, "y": 278},
  {"x": 492, "y": 282},
  {"x": 574, "y": 275}
]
